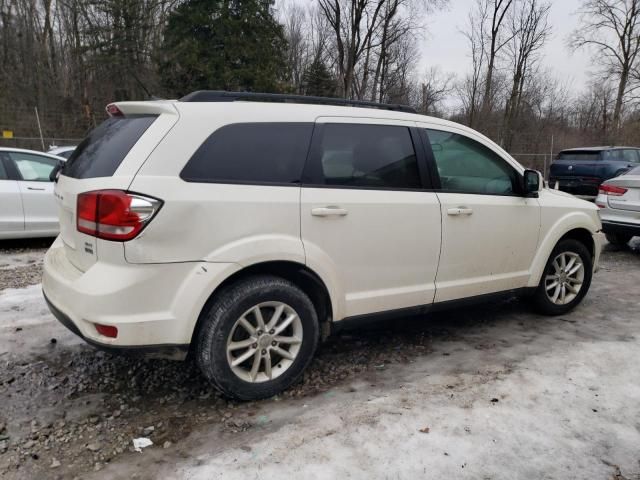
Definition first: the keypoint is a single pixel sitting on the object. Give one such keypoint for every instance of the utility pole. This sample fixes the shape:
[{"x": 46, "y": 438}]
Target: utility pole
[{"x": 40, "y": 129}]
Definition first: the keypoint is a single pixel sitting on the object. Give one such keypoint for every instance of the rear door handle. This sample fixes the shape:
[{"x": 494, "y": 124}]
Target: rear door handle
[
  {"x": 460, "y": 211},
  {"x": 34, "y": 188},
  {"x": 328, "y": 211}
]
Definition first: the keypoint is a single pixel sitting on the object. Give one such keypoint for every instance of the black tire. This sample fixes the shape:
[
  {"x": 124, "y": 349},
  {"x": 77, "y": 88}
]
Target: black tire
[
  {"x": 219, "y": 319},
  {"x": 541, "y": 302},
  {"x": 618, "y": 239}
]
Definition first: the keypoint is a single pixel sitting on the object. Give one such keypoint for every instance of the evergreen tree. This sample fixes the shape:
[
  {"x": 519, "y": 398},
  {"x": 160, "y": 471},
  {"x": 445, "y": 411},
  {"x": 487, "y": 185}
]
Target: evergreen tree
[
  {"x": 318, "y": 81},
  {"x": 223, "y": 44}
]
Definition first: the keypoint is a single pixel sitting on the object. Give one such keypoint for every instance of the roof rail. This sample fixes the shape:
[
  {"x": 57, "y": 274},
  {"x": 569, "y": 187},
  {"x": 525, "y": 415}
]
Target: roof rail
[{"x": 224, "y": 96}]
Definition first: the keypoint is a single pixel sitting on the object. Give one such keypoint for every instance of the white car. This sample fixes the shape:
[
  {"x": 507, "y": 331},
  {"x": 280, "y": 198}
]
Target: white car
[
  {"x": 64, "y": 152},
  {"x": 27, "y": 206},
  {"x": 619, "y": 201},
  {"x": 245, "y": 227}
]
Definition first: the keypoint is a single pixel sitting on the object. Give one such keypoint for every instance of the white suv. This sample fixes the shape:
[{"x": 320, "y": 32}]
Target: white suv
[{"x": 245, "y": 227}]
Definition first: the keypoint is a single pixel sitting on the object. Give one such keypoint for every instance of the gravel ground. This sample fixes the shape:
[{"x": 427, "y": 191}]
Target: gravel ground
[
  {"x": 69, "y": 410},
  {"x": 21, "y": 262}
]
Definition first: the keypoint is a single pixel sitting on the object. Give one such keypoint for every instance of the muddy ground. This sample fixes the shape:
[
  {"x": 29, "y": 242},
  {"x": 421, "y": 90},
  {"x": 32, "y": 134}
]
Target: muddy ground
[{"x": 489, "y": 392}]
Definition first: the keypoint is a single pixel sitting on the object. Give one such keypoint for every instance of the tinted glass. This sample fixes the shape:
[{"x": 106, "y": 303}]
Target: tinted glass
[
  {"x": 614, "y": 155},
  {"x": 102, "y": 151},
  {"x": 630, "y": 156},
  {"x": 251, "y": 153},
  {"x": 33, "y": 167},
  {"x": 3, "y": 170},
  {"x": 368, "y": 156},
  {"x": 467, "y": 166},
  {"x": 580, "y": 156}
]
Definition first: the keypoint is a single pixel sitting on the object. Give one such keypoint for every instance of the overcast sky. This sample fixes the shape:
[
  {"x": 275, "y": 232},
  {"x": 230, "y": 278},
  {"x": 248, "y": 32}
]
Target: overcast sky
[{"x": 445, "y": 46}]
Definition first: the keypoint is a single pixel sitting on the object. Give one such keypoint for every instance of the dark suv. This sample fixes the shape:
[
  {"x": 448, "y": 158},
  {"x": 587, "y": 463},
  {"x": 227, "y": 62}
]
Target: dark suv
[{"x": 580, "y": 171}]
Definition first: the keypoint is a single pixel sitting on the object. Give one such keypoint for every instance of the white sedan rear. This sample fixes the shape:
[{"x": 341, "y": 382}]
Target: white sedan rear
[
  {"x": 27, "y": 206},
  {"x": 619, "y": 202}
]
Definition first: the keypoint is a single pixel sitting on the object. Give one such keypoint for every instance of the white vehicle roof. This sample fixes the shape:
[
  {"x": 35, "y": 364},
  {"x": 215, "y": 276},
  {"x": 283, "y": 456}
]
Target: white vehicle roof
[
  {"x": 60, "y": 149},
  {"x": 34, "y": 152},
  {"x": 265, "y": 111}
]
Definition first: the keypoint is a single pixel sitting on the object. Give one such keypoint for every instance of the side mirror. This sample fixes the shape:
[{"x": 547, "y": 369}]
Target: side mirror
[{"x": 531, "y": 183}]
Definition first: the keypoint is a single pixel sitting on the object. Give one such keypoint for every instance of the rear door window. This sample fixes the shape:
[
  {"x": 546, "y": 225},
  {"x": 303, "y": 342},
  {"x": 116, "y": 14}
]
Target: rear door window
[
  {"x": 102, "y": 151},
  {"x": 254, "y": 153},
  {"x": 631, "y": 155},
  {"x": 33, "y": 168},
  {"x": 614, "y": 155},
  {"x": 370, "y": 156}
]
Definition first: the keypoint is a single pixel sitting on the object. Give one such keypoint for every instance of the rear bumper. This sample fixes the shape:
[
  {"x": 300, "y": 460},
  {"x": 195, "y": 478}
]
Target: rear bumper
[
  {"x": 175, "y": 352},
  {"x": 155, "y": 307},
  {"x": 621, "y": 228},
  {"x": 577, "y": 187}
]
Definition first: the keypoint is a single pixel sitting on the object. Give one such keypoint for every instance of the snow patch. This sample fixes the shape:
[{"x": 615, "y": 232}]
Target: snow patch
[{"x": 20, "y": 307}]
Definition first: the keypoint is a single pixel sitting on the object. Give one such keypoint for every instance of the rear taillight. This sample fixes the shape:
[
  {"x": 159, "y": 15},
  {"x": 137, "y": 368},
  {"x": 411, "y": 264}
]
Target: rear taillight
[
  {"x": 114, "y": 214},
  {"x": 612, "y": 190}
]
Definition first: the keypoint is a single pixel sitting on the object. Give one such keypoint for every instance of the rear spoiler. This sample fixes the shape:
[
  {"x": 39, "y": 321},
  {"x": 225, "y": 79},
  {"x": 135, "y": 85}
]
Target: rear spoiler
[{"x": 156, "y": 107}]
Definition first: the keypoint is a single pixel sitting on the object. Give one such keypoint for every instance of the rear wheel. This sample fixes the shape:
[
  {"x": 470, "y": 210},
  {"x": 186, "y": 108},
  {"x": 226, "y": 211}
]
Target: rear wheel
[
  {"x": 566, "y": 278},
  {"x": 618, "y": 239},
  {"x": 257, "y": 337}
]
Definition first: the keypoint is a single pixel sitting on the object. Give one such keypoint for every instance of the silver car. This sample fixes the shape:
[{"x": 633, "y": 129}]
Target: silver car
[{"x": 619, "y": 202}]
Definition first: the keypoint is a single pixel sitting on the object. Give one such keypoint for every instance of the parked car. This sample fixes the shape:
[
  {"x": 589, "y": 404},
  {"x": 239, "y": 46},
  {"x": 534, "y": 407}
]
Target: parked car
[
  {"x": 580, "y": 171},
  {"x": 64, "y": 152},
  {"x": 619, "y": 202},
  {"x": 27, "y": 206},
  {"x": 245, "y": 227}
]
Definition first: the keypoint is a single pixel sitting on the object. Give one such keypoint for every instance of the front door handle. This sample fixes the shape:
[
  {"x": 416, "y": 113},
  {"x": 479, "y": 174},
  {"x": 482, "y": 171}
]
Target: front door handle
[
  {"x": 34, "y": 188},
  {"x": 460, "y": 211},
  {"x": 328, "y": 211}
]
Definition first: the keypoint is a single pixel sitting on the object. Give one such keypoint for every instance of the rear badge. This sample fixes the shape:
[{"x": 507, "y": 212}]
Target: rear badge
[
  {"x": 88, "y": 248},
  {"x": 570, "y": 167}
]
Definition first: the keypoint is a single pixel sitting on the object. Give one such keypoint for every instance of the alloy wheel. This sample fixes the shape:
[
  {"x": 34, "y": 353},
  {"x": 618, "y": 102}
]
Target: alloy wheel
[
  {"x": 264, "y": 342},
  {"x": 564, "y": 278}
]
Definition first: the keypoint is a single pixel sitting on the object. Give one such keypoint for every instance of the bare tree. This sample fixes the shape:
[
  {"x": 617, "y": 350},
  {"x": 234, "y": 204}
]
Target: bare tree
[
  {"x": 353, "y": 23},
  {"x": 434, "y": 87},
  {"x": 471, "y": 87},
  {"x": 497, "y": 11},
  {"x": 529, "y": 30},
  {"x": 612, "y": 28},
  {"x": 295, "y": 28}
]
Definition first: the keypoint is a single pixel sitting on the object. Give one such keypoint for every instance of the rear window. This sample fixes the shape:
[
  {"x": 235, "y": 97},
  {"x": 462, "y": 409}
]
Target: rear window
[
  {"x": 251, "y": 153},
  {"x": 586, "y": 156},
  {"x": 102, "y": 151}
]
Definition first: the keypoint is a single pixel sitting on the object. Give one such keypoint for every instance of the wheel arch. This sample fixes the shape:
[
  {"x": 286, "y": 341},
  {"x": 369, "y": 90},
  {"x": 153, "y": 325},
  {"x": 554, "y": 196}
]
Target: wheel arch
[
  {"x": 297, "y": 273},
  {"x": 574, "y": 228}
]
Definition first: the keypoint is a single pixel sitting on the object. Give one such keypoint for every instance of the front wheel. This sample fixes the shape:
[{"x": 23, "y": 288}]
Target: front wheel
[
  {"x": 566, "y": 278},
  {"x": 257, "y": 337}
]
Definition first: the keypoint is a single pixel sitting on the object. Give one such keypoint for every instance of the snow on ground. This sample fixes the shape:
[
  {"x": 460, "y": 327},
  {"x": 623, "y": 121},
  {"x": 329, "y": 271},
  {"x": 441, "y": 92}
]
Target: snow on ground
[
  {"x": 25, "y": 309},
  {"x": 500, "y": 393},
  {"x": 513, "y": 396},
  {"x": 561, "y": 407},
  {"x": 20, "y": 259},
  {"x": 23, "y": 306}
]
